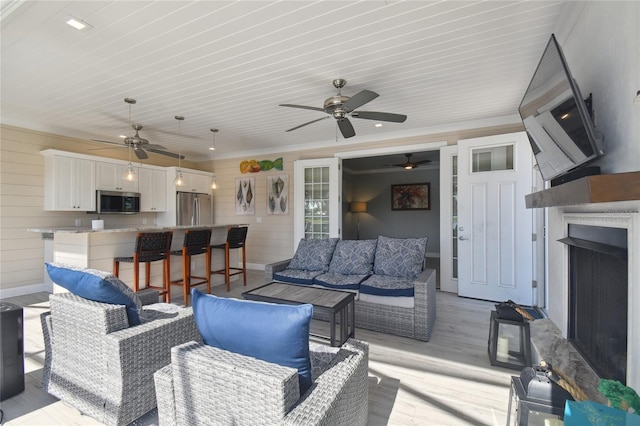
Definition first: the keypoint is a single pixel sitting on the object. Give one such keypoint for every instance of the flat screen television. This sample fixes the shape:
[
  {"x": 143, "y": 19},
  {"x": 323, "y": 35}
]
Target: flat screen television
[{"x": 556, "y": 118}]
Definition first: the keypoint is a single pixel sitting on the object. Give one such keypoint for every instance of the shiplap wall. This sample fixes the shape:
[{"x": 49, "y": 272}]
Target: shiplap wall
[{"x": 22, "y": 199}]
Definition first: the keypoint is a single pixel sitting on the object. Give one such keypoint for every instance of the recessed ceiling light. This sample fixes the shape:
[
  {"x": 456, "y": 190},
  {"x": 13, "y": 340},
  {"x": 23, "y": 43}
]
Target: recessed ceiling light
[
  {"x": 378, "y": 124},
  {"x": 211, "y": 148},
  {"x": 122, "y": 137},
  {"x": 76, "y": 23}
]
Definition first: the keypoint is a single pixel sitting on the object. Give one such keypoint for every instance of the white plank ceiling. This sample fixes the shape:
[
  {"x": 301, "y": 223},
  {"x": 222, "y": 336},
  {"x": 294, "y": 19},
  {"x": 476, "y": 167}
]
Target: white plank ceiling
[{"x": 228, "y": 65}]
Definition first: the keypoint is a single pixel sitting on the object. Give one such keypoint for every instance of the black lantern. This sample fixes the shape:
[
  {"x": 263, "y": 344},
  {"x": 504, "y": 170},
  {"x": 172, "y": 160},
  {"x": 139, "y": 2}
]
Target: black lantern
[
  {"x": 499, "y": 343},
  {"x": 535, "y": 400}
]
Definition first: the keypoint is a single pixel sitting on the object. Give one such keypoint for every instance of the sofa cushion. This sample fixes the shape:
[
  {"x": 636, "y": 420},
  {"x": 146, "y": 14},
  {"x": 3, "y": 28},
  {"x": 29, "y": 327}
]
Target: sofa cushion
[
  {"x": 381, "y": 285},
  {"x": 339, "y": 281},
  {"x": 296, "y": 276},
  {"x": 267, "y": 331},
  {"x": 98, "y": 286},
  {"x": 313, "y": 254},
  {"x": 353, "y": 257},
  {"x": 400, "y": 257}
]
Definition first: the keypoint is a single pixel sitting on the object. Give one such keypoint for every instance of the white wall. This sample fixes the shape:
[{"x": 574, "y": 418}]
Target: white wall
[{"x": 601, "y": 42}]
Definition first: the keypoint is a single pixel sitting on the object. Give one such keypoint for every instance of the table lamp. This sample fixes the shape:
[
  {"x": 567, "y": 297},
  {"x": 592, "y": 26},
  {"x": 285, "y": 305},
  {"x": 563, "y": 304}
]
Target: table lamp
[{"x": 358, "y": 207}]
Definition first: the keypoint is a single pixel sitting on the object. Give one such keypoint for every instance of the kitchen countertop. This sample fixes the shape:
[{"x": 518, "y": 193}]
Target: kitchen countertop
[{"x": 141, "y": 228}]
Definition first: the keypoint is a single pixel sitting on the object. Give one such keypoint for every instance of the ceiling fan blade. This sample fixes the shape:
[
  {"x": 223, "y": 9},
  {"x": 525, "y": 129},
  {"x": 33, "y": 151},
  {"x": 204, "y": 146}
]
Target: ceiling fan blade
[
  {"x": 150, "y": 146},
  {"x": 346, "y": 128},
  {"x": 309, "y": 122},
  {"x": 421, "y": 162},
  {"x": 360, "y": 99},
  {"x": 112, "y": 143},
  {"x": 141, "y": 154},
  {"x": 380, "y": 116},
  {"x": 167, "y": 153},
  {"x": 302, "y": 106}
]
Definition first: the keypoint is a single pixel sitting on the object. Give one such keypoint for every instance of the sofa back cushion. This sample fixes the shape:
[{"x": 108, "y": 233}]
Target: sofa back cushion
[
  {"x": 313, "y": 254},
  {"x": 267, "y": 331},
  {"x": 98, "y": 286},
  {"x": 400, "y": 257},
  {"x": 353, "y": 257}
]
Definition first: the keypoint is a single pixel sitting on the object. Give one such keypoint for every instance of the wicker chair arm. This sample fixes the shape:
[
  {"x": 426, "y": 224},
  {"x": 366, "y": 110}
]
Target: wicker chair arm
[
  {"x": 340, "y": 394},
  {"x": 148, "y": 296},
  {"x": 163, "y": 380},
  {"x": 425, "y": 304},
  {"x": 272, "y": 268}
]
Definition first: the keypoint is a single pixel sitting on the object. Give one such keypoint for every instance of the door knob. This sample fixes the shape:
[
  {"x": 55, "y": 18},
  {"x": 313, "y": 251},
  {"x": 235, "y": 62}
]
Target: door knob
[{"x": 461, "y": 238}]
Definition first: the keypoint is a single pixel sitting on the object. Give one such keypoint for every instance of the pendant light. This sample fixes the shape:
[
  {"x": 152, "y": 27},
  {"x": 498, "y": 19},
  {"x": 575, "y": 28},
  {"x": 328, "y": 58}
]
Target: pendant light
[
  {"x": 130, "y": 174},
  {"x": 179, "y": 181},
  {"x": 214, "y": 185}
]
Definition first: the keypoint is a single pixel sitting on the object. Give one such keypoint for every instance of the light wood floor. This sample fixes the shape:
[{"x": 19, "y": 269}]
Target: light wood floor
[{"x": 446, "y": 381}]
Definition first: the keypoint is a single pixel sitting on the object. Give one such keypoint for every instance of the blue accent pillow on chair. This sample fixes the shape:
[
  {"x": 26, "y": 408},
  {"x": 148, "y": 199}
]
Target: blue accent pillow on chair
[
  {"x": 267, "y": 331},
  {"x": 98, "y": 286}
]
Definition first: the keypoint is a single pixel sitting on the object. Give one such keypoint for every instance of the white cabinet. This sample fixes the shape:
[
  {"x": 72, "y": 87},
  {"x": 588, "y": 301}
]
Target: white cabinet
[
  {"x": 110, "y": 177},
  {"x": 153, "y": 190},
  {"x": 196, "y": 183},
  {"x": 70, "y": 184}
]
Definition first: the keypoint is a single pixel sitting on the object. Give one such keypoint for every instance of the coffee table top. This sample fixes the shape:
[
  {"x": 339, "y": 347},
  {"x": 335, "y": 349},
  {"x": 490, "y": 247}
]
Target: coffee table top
[{"x": 298, "y": 294}]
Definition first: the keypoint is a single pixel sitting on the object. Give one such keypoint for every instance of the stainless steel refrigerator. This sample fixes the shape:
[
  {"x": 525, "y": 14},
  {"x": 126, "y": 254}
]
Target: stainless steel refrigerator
[{"x": 193, "y": 209}]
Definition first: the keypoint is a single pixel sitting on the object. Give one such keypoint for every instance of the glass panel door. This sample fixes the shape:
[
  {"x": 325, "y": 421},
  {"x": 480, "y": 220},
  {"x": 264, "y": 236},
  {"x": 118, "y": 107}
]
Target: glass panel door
[{"x": 317, "y": 199}]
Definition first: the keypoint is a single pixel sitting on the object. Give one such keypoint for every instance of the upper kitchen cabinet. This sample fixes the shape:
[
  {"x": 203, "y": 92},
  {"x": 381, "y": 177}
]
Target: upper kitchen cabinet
[
  {"x": 153, "y": 190},
  {"x": 194, "y": 180},
  {"x": 110, "y": 177},
  {"x": 70, "y": 183}
]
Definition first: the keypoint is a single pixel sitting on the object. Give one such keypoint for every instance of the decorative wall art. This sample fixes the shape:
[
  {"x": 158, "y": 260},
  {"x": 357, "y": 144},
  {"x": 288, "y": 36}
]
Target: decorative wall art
[
  {"x": 253, "y": 166},
  {"x": 245, "y": 195},
  {"x": 411, "y": 196},
  {"x": 278, "y": 194}
]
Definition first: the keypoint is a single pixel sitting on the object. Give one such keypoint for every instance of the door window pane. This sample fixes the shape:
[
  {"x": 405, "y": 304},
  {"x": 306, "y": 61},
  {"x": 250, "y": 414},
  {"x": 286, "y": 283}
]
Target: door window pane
[
  {"x": 492, "y": 159},
  {"x": 316, "y": 212}
]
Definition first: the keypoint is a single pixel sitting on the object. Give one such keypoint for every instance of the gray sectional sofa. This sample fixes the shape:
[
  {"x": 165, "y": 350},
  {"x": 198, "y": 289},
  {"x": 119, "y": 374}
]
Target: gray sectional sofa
[{"x": 395, "y": 294}]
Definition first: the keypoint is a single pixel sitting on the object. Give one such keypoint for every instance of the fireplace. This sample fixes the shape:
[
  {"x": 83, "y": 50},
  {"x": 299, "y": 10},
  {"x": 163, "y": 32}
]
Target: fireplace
[
  {"x": 598, "y": 277},
  {"x": 598, "y": 297}
]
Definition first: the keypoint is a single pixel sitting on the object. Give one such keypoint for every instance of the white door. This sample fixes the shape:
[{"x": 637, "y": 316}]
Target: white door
[
  {"x": 494, "y": 227},
  {"x": 317, "y": 193}
]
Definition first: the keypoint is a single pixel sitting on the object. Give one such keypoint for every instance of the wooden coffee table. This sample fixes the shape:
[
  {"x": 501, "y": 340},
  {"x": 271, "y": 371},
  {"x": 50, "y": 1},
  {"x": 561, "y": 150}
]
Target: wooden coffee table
[{"x": 332, "y": 302}]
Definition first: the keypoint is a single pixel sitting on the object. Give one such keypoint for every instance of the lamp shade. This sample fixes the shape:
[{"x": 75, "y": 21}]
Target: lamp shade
[{"x": 358, "y": 207}]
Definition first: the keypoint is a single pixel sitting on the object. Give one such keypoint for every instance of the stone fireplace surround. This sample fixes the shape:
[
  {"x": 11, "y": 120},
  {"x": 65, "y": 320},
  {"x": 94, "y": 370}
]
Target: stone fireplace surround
[{"x": 549, "y": 335}]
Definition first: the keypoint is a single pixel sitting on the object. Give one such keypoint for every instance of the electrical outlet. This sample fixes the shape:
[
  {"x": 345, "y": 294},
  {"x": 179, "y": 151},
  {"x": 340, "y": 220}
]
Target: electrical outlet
[
  {"x": 78, "y": 222},
  {"x": 193, "y": 265},
  {"x": 155, "y": 221},
  {"x": 144, "y": 220}
]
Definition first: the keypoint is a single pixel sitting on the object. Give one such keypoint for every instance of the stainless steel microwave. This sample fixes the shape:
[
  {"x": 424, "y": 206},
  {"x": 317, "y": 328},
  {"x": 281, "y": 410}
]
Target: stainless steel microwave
[{"x": 114, "y": 202}]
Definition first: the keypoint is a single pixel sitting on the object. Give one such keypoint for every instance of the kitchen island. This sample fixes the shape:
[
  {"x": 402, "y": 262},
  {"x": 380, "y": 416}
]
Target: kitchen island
[{"x": 96, "y": 248}]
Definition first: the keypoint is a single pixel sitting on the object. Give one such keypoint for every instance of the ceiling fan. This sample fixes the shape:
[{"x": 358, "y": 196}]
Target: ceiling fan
[
  {"x": 339, "y": 107},
  {"x": 138, "y": 144},
  {"x": 410, "y": 165}
]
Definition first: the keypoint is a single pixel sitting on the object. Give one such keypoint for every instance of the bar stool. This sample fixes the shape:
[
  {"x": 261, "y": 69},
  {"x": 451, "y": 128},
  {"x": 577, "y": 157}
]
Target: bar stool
[
  {"x": 195, "y": 242},
  {"x": 236, "y": 237},
  {"x": 150, "y": 247}
]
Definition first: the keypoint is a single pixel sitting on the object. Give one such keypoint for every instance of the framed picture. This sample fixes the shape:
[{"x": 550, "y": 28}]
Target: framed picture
[
  {"x": 278, "y": 194},
  {"x": 245, "y": 195},
  {"x": 410, "y": 196}
]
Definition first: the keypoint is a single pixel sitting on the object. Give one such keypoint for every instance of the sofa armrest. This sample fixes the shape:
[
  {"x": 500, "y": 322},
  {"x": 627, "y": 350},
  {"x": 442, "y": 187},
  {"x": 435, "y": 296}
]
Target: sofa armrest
[
  {"x": 425, "y": 304},
  {"x": 211, "y": 383},
  {"x": 163, "y": 380},
  {"x": 272, "y": 268},
  {"x": 340, "y": 395}
]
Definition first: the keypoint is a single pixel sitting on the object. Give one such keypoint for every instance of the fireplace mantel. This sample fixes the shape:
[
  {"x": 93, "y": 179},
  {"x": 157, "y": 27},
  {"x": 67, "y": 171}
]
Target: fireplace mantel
[{"x": 587, "y": 190}]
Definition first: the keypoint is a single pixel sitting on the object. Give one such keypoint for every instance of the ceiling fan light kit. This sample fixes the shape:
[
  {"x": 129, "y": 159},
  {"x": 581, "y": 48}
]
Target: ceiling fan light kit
[
  {"x": 410, "y": 165},
  {"x": 340, "y": 107}
]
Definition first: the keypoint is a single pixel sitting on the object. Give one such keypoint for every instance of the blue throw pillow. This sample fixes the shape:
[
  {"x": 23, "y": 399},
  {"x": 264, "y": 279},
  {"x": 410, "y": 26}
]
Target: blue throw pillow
[
  {"x": 98, "y": 286},
  {"x": 313, "y": 254},
  {"x": 400, "y": 257},
  {"x": 267, "y": 331}
]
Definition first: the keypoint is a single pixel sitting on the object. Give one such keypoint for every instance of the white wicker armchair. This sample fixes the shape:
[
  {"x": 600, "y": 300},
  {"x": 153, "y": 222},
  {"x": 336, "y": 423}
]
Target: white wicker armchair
[
  {"x": 98, "y": 364},
  {"x": 204, "y": 385}
]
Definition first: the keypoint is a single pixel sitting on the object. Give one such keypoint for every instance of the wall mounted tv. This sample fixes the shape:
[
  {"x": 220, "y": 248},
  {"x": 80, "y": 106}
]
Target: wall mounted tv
[{"x": 556, "y": 118}]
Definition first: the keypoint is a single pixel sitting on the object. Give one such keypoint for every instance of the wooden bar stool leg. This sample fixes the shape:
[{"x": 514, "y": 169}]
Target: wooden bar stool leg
[
  {"x": 116, "y": 268},
  {"x": 244, "y": 265},
  {"x": 136, "y": 274},
  {"x": 147, "y": 272},
  {"x": 207, "y": 268},
  {"x": 226, "y": 267},
  {"x": 166, "y": 279},
  {"x": 185, "y": 277}
]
